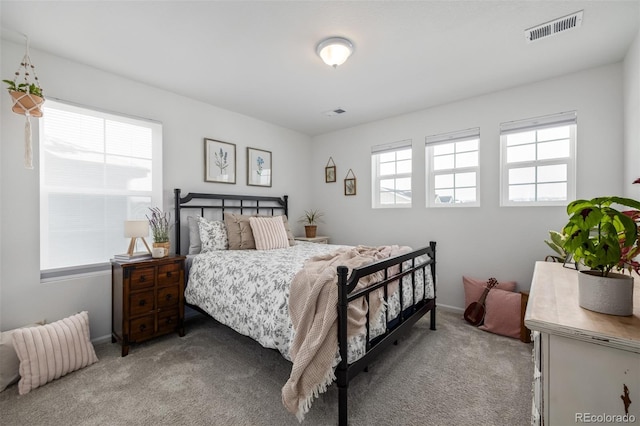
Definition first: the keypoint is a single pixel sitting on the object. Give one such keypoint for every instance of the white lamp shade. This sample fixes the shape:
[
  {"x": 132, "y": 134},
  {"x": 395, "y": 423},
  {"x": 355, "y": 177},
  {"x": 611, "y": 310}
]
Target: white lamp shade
[
  {"x": 335, "y": 51},
  {"x": 136, "y": 228}
]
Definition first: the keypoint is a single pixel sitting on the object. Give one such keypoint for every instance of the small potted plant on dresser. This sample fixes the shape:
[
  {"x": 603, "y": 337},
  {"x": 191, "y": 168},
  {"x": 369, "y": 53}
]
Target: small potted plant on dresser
[
  {"x": 159, "y": 222},
  {"x": 311, "y": 218},
  {"x": 603, "y": 239}
]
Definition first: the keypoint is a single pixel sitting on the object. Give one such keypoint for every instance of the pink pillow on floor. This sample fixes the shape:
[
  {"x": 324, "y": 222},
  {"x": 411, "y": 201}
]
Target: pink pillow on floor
[
  {"x": 502, "y": 314},
  {"x": 473, "y": 288}
]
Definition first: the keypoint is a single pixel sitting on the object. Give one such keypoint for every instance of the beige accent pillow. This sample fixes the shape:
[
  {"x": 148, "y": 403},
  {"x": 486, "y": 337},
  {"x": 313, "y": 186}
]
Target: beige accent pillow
[
  {"x": 239, "y": 232},
  {"x": 292, "y": 241},
  {"x": 269, "y": 232},
  {"x": 9, "y": 362},
  {"x": 50, "y": 351}
]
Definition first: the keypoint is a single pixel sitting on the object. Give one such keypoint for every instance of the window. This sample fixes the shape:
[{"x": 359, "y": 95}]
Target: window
[
  {"x": 453, "y": 169},
  {"x": 96, "y": 171},
  {"x": 538, "y": 160},
  {"x": 391, "y": 175}
]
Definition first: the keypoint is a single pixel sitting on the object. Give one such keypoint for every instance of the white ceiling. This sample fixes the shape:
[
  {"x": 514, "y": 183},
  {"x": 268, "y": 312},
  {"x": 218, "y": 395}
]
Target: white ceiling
[{"x": 258, "y": 57}]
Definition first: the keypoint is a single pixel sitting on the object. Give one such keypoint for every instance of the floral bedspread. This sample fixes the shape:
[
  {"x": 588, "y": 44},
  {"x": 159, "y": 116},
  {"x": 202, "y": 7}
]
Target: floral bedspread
[{"x": 248, "y": 290}]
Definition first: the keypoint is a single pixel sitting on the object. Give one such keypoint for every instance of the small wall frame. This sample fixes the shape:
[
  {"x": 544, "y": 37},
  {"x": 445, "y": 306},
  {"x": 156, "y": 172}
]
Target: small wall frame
[
  {"x": 350, "y": 183},
  {"x": 330, "y": 171}
]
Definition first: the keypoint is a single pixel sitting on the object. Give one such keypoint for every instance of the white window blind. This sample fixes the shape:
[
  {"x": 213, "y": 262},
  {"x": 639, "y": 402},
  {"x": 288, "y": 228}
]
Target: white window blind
[
  {"x": 453, "y": 168},
  {"x": 97, "y": 170},
  {"x": 538, "y": 157},
  {"x": 391, "y": 174}
]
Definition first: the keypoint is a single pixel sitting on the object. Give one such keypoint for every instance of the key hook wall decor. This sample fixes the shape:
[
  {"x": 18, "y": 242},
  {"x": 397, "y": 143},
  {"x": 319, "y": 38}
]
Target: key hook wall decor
[{"x": 26, "y": 94}]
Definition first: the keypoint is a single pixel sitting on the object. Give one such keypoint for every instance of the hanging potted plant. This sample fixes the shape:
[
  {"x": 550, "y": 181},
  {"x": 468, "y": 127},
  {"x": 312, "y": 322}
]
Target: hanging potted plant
[
  {"x": 310, "y": 219},
  {"x": 603, "y": 239},
  {"x": 159, "y": 222},
  {"x": 27, "y": 98}
]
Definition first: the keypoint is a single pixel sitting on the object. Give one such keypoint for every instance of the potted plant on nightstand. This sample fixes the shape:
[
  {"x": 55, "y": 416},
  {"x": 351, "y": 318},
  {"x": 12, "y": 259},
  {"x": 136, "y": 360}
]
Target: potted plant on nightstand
[
  {"x": 159, "y": 222},
  {"x": 310, "y": 219},
  {"x": 603, "y": 239}
]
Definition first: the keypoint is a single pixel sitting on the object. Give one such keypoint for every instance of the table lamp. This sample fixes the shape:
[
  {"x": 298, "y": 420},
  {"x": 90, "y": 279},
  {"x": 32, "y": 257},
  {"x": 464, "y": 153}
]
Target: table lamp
[{"x": 135, "y": 229}]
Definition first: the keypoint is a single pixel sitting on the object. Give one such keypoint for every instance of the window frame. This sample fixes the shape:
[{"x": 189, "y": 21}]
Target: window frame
[
  {"x": 431, "y": 173},
  {"x": 562, "y": 119},
  {"x": 156, "y": 193},
  {"x": 376, "y": 151}
]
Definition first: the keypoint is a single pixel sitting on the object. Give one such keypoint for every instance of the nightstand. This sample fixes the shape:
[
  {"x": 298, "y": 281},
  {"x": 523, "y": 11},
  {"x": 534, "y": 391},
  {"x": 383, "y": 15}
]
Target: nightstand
[
  {"x": 319, "y": 239},
  {"x": 147, "y": 299}
]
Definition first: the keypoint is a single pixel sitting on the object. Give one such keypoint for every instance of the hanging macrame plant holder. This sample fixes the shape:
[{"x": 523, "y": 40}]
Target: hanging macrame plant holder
[{"x": 26, "y": 102}]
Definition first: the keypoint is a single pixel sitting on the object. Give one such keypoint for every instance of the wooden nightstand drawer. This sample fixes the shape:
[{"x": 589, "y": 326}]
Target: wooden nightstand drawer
[
  {"x": 168, "y": 296},
  {"x": 142, "y": 328},
  {"x": 168, "y": 321},
  {"x": 147, "y": 299},
  {"x": 169, "y": 274},
  {"x": 142, "y": 278},
  {"x": 141, "y": 303}
]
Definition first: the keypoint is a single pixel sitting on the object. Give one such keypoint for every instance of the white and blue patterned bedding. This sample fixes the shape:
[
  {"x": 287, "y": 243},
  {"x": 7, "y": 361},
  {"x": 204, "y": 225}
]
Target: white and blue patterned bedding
[{"x": 248, "y": 290}]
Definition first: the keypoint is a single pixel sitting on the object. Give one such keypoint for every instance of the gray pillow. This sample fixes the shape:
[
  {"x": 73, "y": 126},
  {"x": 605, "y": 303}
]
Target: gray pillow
[{"x": 195, "y": 245}]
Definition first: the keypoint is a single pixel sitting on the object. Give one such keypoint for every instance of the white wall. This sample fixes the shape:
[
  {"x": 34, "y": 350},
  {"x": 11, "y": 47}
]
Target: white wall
[
  {"x": 23, "y": 298},
  {"x": 489, "y": 240},
  {"x": 632, "y": 119}
]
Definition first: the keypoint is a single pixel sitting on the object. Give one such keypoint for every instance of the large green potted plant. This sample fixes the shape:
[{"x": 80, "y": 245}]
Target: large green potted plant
[{"x": 603, "y": 239}]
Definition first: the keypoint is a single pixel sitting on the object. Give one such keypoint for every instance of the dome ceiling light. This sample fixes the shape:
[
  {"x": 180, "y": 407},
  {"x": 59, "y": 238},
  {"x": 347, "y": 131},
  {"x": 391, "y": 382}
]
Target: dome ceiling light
[{"x": 334, "y": 51}]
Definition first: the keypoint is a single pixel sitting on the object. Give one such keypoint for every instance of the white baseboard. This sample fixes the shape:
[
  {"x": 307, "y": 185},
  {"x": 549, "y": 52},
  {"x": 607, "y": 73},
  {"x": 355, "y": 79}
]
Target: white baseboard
[{"x": 450, "y": 308}]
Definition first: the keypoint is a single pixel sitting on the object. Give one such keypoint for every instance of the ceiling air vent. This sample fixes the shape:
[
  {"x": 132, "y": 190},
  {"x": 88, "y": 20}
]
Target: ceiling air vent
[
  {"x": 554, "y": 27},
  {"x": 334, "y": 112}
]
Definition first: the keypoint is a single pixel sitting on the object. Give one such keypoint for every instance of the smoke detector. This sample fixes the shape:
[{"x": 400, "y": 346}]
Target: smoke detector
[
  {"x": 334, "y": 112},
  {"x": 554, "y": 27}
]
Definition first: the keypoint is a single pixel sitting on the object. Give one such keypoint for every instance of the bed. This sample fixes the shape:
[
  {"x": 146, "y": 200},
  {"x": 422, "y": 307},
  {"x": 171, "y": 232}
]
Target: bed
[{"x": 381, "y": 291}]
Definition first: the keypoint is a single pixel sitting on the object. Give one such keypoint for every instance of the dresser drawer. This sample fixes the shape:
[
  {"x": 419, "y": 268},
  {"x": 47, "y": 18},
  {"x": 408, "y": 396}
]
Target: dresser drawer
[
  {"x": 142, "y": 328},
  {"x": 141, "y": 303},
  {"x": 168, "y": 320},
  {"x": 168, "y": 296},
  {"x": 142, "y": 278},
  {"x": 169, "y": 274}
]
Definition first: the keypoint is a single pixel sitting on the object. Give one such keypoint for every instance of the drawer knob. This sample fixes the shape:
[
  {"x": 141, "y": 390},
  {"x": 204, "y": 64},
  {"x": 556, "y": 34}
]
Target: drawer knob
[
  {"x": 169, "y": 274},
  {"x": 142, "y": 327},
  {"x": 142, "y": 278},
  {"x": 142, "y": 302},
  {"x": 168, "y": 297},
  {"x": 169, "y": 320}
]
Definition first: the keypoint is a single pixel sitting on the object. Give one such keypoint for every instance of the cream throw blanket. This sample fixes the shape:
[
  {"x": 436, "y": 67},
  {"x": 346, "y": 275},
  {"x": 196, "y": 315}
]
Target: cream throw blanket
[{"x": 313, "y": 302}]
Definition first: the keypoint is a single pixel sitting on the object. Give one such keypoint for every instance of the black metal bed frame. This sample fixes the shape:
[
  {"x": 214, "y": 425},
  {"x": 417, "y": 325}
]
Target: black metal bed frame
[{"x": 346, "y": 284}]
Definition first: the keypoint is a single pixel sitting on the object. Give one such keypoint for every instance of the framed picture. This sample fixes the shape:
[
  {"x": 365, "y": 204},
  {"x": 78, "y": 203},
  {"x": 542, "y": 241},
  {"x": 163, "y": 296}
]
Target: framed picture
[
  {"x": 350, "y": 183},
  {"x": 258, "y": 167},
  {"x": 350, "y": 186},
  {"x": 219, "y": 161},
  {"x": 330, "y": 171},
  {"x": 330, "y": 174}
]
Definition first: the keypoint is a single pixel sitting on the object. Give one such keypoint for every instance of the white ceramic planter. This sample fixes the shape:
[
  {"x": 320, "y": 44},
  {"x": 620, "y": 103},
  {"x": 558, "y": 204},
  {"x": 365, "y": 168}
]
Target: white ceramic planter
[{"x": 611, "y": 295}]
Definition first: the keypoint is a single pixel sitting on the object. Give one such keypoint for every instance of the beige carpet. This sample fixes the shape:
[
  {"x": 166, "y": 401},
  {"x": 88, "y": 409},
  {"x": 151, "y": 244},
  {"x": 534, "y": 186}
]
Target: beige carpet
[{"x": 456, "y": 375}]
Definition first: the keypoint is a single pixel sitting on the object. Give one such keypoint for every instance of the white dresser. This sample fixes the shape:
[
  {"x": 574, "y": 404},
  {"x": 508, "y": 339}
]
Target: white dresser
[{"x": 583, "y": 360}]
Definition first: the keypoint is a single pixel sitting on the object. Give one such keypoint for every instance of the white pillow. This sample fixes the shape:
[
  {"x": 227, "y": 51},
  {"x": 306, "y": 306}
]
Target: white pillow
[
  {"x": 48, "y": 352},
  {"x": 269, "y": 232},
  {"x": 213, "y": 235},
  {"x": 9, "y": 362}
]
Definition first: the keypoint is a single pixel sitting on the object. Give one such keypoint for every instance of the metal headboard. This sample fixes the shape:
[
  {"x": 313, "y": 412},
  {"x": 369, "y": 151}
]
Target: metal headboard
[{"x": 244, "y": 204}]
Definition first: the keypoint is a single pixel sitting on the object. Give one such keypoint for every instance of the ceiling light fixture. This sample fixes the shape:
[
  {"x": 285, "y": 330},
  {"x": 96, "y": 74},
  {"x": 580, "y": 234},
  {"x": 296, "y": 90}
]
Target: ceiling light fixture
[{"x": 334, "y": 51}]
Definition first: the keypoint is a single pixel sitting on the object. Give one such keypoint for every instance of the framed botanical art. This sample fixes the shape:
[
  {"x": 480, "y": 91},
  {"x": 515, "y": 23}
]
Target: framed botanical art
[
  {"x": 350, "y": 183},
  {"x": 219, "y": 161},
  {"x": 258, "y": 167},
  {"x": 330, "y": 171}
]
